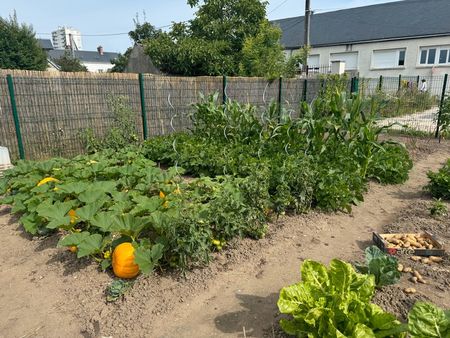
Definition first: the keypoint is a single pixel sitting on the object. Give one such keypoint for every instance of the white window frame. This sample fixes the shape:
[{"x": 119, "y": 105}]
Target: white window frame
[
  {"x": 396, "y": 61},
  {"x": 346, "y": 52},
  {"x": 436, "y": 57}
]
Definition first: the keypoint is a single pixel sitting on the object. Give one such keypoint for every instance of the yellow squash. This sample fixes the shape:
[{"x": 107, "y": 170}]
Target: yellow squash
[{"x": 123, "y": 261}]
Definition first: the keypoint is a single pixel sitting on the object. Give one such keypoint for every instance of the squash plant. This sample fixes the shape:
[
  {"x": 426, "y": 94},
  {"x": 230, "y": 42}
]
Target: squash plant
[{"x": 100, "y": 201}]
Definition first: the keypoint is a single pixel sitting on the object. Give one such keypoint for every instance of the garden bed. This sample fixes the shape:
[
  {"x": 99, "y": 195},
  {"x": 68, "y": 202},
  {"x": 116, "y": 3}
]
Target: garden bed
[{"x": 64, "y": 296}]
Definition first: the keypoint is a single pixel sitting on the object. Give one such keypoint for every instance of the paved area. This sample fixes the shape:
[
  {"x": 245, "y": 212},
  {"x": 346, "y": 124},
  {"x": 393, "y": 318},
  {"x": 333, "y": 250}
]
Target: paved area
[{"x": 424, "y": 121}]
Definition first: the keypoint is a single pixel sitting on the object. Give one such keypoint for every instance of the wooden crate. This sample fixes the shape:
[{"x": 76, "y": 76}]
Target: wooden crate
[{"x": 380, "y": 241}]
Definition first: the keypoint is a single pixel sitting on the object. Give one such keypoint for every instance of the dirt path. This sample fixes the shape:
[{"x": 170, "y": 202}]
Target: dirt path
[{"x": 45, "y": 292}]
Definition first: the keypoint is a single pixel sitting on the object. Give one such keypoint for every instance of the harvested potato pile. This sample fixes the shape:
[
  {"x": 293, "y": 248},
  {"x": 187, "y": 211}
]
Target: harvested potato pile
[{"x": 414, "y": 241}]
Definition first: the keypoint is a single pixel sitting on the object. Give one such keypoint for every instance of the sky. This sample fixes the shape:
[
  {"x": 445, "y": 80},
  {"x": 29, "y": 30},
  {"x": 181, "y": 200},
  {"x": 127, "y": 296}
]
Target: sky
[{"x": 116, "y": 17}]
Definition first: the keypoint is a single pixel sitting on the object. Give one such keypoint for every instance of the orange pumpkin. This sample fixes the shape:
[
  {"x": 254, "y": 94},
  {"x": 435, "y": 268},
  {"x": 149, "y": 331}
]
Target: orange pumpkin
[{"x": 123, "y": 261}]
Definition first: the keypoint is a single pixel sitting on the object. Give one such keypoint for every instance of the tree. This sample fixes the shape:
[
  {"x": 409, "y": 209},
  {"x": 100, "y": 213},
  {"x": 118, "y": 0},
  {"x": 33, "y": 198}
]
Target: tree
[
  {"x": 213, "y": 42},
  {"x": 19, "y": 48},
  {"x": 262, "y": 54},
  {"x": 142, "y": 32},
  {"x": 69, "y": 63},
  {"x": 121, "y": 62}
]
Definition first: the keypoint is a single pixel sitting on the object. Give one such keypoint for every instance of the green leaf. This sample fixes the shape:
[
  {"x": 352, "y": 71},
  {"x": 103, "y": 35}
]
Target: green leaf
[
  {"x": 30, "y": 223},
  {"x": 91, "y": 195},
  {"x": 425, "y": 320},
  {"x": 362, "y": 331},
  {"x": 146, "y": 205},
  {"x": 86, "y": 243},
  {"x": 87, "y": 212},
  {"x": 90, "y": 245},
  {"x": 129, "y": 225},
  {"x": 104, "y": 221},
  {"x": 105, "y": 264},
  {"x": 146, "y": 258}
]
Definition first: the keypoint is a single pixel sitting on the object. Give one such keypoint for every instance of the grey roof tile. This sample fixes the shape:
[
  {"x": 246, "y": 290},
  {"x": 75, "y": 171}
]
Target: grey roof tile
[{"x": 84, "y": 55}]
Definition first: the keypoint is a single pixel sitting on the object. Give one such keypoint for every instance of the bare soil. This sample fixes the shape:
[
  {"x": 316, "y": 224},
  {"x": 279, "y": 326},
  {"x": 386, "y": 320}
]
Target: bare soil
[{"x": 46, "y": 292}]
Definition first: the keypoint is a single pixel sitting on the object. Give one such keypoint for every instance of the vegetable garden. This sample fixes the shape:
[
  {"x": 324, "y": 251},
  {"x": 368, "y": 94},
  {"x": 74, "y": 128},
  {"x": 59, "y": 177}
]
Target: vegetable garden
[{"x": 175, "y": 201}]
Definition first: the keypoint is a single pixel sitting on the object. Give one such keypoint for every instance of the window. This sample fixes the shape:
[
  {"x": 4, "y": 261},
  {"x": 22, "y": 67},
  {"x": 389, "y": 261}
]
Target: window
[
  {"x": 350, "y": 59},
  {"x": 388, "y": 58},
  {"x": 401, "y": 57},
  {"x": 313, "y": 60},
  {"x": 434, "y": 55}
]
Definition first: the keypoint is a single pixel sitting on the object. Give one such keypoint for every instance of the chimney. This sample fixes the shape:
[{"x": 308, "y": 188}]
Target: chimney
[{"x": 100, "y": 50}]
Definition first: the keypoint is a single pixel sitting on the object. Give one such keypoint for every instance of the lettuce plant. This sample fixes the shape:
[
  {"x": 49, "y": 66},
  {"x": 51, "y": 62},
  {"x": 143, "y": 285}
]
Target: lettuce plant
[
  {"x": 425, "y": 320},
  {"x": 335, "y": 302}
]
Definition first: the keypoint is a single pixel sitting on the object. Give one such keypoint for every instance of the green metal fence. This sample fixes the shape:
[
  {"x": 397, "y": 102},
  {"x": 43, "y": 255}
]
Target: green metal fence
[{"x": 42, "y": 114}]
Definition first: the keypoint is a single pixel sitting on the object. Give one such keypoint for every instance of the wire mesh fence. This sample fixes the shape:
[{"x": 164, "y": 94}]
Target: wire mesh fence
[
  {"x": 55, "y": 109},
  {"x": 409, "y": 103}
]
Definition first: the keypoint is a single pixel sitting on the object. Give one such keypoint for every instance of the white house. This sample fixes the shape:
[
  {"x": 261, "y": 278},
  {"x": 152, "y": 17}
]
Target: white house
[
  {"x": 98, "y": 61},
  {"x": 410, "y": 37}
]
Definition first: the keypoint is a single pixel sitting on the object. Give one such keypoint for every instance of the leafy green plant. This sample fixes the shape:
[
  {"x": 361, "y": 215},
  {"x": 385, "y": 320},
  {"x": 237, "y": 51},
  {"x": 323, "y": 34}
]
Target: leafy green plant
[
  {"x": 382, "y": 266},
  {"x": 439, "y": 184},
  {"x": 335, "y": 302},
  {"x": 391, "y": 164},
  {"x": 117, "y": 289},
  {"x": 426, "y": 320},
  {"x": 438, "y": 208},
  {"x": 121, "y": 134}
]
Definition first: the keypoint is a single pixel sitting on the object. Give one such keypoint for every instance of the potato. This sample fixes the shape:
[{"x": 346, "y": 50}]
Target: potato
[
  {"x": 407, "y": 244},
  {"x": 407, "y": 269},
  {"x": 426, "y": 261},
  {"x": 400, "y": 267},
  {"x": 436, "y": 259},
  {"x": 421, "y": 280},
  {"x": 430, "y": 246},
  {"x": 413, "y": 279},
  {"x": 409, "y": 290},
  {"x": 417, "y": 274},
  {"x": 415, "y": 258}
]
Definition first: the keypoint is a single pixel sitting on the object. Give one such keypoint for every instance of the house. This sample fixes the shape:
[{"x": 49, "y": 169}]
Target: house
[
  {"x": 410, "y": 37},
  {"x": 98, "y": 61}
]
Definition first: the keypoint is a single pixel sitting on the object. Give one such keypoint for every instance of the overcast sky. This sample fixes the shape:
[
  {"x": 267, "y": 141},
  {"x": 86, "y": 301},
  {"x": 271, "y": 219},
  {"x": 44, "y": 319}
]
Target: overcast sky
[{"x": 114, "y": 16}]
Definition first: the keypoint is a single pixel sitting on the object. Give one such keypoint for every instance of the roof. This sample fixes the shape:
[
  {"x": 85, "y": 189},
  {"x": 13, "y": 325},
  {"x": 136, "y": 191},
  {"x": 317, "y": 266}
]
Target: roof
[
  {"x": 388, "y": 21},
  {"x": 84, "y": 55},
  {"x": 45, "y": 44}
]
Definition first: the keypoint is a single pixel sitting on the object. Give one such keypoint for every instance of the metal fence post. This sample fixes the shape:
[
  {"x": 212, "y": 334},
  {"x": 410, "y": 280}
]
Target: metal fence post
[
  {"x": 143, "y": 109},
  {"x": 280, "y": 95},
  {"x": 356, "y": 85},
  {"x": 444, "y": 89},
  {"x": 352, "y": 85},
  {"x": 224, "y": 89},
  {"x": 12, "y": 97},
  {"x": 418, "y": 81},
  {"x": 399, "y": 82},
  {"x": 305, "y": 90},
  {"x": 380, "y": 83}
]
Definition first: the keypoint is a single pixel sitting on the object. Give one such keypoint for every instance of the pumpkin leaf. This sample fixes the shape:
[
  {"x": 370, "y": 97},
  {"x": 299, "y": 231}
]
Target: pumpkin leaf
[
  {"x": 75, "y": 188},
  {"x": 30, "y": 223},
  {"x": 51, "y": 210},
  {"x": 105, "y": 264},
  {"x": 147, "y": 258},
  {"x": 104, "y": 220},
  {"x": 86, "y": 243},
  {"x": 91, "y": 196},
  {"x": 146, "y": 205},
  {"x": 129, "y": 225},
  {"x": 87, "y": 212}
]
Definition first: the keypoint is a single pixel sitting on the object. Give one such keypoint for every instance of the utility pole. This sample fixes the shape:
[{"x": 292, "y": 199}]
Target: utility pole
[
  {"x": 307, "y": 21},
  {"x": 307, "y": 28}
]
